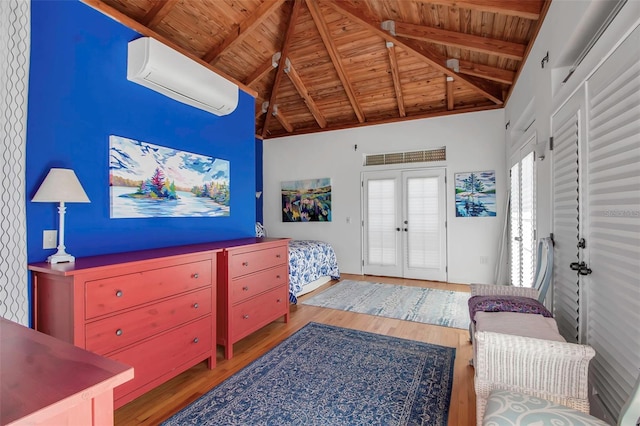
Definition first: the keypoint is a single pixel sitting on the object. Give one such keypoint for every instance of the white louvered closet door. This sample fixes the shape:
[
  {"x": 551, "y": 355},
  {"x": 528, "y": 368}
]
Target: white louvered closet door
[
  {"x": 613, "y": 209},
  {"x": 566, "y": 134}
]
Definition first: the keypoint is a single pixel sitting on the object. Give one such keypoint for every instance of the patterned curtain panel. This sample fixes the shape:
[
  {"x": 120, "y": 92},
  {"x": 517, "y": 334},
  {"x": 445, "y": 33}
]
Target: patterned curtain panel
[{"x": 15, "y": 24}]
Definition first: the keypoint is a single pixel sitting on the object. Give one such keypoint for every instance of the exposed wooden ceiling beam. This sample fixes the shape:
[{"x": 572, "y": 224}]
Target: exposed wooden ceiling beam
[
  {"x": 395, "y": 74},
  {"x": 286, "y": 44},
  {"x": 485, "y": 71},
  {"x": 491, "y": 46},
  {"x": 302, "y": 90},
  {"x": 528, "y": 9},
  {"x": 240, "y": 31},
  {"x": 260, "y": 73},
  {"x": 423, "y": 52},
  {"x": 441, "y": 113},
  {"x": 148, "y": 32},
  {"x": 282, "y": 119},
  {"x": 450, "y": 103},
  {"x": 316, "y": 14},
  {"x": 156, "y": 14}
]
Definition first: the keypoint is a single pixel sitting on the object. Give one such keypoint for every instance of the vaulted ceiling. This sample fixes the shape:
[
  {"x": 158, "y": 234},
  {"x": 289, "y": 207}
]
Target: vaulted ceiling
[{"x": 317, "y": 65}]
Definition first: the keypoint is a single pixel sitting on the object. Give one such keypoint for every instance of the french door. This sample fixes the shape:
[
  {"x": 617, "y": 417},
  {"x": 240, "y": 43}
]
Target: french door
[
  {"x": 522, "y": 208},
  {"x": 404, "y": 224}
]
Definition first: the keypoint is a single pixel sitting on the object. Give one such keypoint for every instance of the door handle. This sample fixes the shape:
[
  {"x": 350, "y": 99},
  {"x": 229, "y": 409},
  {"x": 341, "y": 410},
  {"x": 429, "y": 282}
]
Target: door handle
[
  {"x": 406, "y": 229},
  {"x": 584, "y": 270},
  {"x": 581, "y": 267},
  {"x": 398, "y": 229}
]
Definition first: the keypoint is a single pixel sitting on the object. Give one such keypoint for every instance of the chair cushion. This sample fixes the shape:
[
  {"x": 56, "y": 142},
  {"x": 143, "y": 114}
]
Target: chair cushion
[
  {"x": 497, "y": 303},
  {"x": 515, "y": 323},
  {"x": 506, "y": 408}
]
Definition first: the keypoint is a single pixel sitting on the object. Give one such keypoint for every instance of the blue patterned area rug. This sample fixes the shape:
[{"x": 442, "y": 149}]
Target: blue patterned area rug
[
  {"x": 426, "y": 305},
  {"x": 327, "y": 375}
]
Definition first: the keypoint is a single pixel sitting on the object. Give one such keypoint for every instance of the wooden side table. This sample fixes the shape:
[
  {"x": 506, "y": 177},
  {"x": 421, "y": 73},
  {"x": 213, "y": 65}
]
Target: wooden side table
[{"x": 44, "y": 380}]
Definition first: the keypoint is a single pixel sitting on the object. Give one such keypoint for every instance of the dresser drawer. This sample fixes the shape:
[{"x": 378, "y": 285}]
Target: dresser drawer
[
  {"x": 255, "y": 313},
  {"x": 251, "y": 285},
  {"x": 112, "y": 294},
  {"x": 110, "y": 334},
  {"x": 159, "y": 356},
  {"x": 248, "y": 262}
]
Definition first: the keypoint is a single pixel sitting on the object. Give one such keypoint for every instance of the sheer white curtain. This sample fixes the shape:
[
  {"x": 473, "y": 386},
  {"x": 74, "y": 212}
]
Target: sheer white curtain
[{"x": 15, "y": 37}]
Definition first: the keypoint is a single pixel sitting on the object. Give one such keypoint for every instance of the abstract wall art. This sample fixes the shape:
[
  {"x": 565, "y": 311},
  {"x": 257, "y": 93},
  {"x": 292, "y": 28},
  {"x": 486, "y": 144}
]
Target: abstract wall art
[
  {"x": 306, "y": 200},
  {"x": 148, "y": 180}
]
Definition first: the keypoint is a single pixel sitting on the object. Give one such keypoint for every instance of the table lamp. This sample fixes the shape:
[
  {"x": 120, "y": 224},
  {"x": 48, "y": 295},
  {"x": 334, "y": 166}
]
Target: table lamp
[{"x": 61, "y": 186}]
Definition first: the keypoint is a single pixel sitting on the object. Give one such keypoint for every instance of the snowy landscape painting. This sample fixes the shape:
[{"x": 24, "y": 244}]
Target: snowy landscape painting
[
  {"x": 475, "y": 194},
  {"x": 148, "y": 180}
]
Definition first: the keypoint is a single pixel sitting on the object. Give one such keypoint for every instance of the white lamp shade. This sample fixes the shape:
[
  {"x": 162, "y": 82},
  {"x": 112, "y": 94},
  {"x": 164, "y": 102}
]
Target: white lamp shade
[{"x": 61, "y": 185}]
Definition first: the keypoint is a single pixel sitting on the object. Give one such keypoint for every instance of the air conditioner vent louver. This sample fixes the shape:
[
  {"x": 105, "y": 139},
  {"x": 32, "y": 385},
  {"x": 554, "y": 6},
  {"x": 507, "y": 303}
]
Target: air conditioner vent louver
[
  {"x": 166, "y": 71},
  {"x": 425, "y": 156}
]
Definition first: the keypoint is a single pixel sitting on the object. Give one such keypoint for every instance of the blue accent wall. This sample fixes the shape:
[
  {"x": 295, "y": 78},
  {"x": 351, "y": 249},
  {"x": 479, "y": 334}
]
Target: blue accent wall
[
  {"x": 259, "y": 181},
  {"x": 78, "y": 96}
]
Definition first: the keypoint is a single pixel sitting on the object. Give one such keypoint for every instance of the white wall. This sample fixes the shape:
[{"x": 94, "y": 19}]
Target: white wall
[{"x": 474, "y": 142}]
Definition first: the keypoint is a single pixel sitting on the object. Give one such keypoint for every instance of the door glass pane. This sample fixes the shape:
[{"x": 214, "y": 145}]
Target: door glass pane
[
  {"x": 423, "y": 237},
  {"x": 381, "y": 207},
  {"x": 514, "y": 226},
  {"x": 527, "y": 211}
]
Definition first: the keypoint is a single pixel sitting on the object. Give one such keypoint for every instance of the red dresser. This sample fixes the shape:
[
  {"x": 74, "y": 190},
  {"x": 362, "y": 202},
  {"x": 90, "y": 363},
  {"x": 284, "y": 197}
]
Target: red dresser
[
  {"x": 253, "y": 287},
  {"x": 151, "y": 309}
]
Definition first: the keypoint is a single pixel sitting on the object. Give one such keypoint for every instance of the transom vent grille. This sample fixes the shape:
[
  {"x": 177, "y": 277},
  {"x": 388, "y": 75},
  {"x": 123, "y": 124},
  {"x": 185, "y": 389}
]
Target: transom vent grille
[{"x": 438, "y": 154}]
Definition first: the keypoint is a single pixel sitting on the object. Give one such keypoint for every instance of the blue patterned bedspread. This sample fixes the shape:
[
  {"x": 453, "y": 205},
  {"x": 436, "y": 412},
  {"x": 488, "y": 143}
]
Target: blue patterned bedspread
[{"x": 308, "y": 261}]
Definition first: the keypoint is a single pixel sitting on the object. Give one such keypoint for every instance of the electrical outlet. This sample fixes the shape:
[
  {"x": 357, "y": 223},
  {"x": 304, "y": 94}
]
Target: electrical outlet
[{"x": 49, "y": 239}]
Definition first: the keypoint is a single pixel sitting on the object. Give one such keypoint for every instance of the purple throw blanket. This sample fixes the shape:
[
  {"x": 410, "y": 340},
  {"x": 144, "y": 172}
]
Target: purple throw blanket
[{"x": 496, "y": 303}]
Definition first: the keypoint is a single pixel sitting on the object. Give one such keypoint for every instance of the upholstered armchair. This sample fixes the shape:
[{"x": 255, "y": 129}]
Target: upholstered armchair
[{"x": 552, "y": 370}]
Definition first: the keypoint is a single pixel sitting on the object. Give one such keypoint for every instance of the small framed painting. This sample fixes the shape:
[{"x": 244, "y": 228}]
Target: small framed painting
[
  {"x": 306, "y": 200},
  {"x": 475, "y": 194}
]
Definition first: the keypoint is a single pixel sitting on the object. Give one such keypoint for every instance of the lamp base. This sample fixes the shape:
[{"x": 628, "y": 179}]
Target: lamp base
[{"x": 60, "y": 258}]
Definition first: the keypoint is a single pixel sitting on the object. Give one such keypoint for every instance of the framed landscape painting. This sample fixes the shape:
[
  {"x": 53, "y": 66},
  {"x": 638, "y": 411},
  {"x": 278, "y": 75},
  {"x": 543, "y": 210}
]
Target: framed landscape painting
[
  {"x": 306, "y": 200},
  {"x": 147, "y": 180},
  {"x": 475, "y": 194}
]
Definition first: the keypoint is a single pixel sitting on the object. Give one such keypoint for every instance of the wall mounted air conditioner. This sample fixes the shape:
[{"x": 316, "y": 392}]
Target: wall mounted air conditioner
[{"x": 160, "y": 68}]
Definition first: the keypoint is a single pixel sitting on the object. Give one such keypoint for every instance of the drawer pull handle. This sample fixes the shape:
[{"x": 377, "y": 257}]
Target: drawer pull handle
[
  {"x": 245, "y": 316},
  {"x": 119, "y": 332},
  {"x": 195, "y": 275},
  {"x": 245, "y": 288},
  {"x": 278, "y": 256},
  {"x": 196, "y": 340},
  {"x": 245, "y": 263},
  {"x": 278, "y": 276},
  {"x": 196, "y": 306},
  {"x": 119, "y": 293},
  {"x": 279, "y": 300}
]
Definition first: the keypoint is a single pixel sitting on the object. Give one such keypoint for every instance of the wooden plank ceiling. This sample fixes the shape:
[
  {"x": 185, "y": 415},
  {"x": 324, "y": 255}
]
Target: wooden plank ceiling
[{"x": 318, "y": 65}]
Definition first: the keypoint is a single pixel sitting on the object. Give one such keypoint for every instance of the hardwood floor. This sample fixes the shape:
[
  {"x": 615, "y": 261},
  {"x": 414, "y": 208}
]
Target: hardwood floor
[{"x": 165, "y": 400}]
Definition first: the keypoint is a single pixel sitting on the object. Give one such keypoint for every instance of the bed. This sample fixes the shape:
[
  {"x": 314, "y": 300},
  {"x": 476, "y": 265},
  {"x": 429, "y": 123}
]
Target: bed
[{"x": 311, "y": 264}]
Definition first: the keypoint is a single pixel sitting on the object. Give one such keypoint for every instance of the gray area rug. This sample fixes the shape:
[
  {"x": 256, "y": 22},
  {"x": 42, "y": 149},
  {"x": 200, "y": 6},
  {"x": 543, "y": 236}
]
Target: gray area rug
[
  {"x": 430, "y": 306},
  {"x": 331, "y": 376}
]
